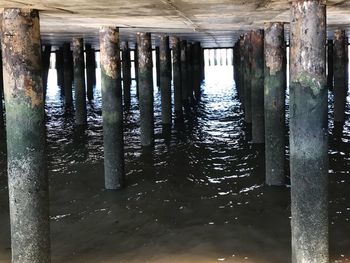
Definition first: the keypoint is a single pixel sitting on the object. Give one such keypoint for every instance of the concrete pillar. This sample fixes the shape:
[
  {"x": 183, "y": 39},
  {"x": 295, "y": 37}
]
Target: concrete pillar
[
  {"x": 126, "y": 73},
  {"x": 190, "y": 72},
  {"x": 241, "y": 69},
  {"x": 136, "y": 63},
  {"x": 90, "y": 71},
  {"x": 158, "y": 66},
  {"x": 247, "y": 79},
  {"x": 257, "y": 86},
  {"x": 112, "y": 108},
  {"x": 59, "y": 68},
  {"x": 330, "y": 74},
  {"x": 46, "y": 54},
  {"x": 79, "y": 79},
  {"x": 202, "y": 65},
  {"x": 146, "y": 89},
  {"x": 340, "y": 83},
  {"x": 215, "y": 57},
  {"x": 274, "y": 103},
  {"x": 177, "y": 77},
  {"x": 165, "y": 80},
  {"x": 196, "y": 70},
  {"x": 1, "y": 92},
  {"x": 67, "y": 76},
  {"x": 27, "y": 170},
  {"x": 184, "y": 73},
  {"x": 308, "y": 132}
]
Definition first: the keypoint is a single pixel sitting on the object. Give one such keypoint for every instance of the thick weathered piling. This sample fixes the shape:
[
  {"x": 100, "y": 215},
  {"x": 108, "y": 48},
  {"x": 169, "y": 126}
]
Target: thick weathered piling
[
  {"x": 27, "y": 171},
  {"x": 247, "y": 79},
  {"x": 177, "y": 77},
  {"x": 330, "y": 65},
  {"x": 340, "y": 80},
  {"x": 257, "y": 86},
  {"x": 308, "y": 132},
  {"x": 67, "y": 75},
  {"x": 165, "y": 80},
  {"x": 90, "y": 71},
  {"x": 158, "y": 66},
  {"x": 184, "y": 73},
  {"x": 145, "y": 89},
  {"x": 46, "y": 54},
  {"x": 112, "y": 109},
  {"x": 79, "y": 80},
  {"x": 274, "y": 102},
  {"x": 126, "y": 64}
]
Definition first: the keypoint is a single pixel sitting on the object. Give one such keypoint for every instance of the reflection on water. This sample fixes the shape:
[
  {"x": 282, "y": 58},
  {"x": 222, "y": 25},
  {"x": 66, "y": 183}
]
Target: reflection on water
[{"x": 198, "y": 197}]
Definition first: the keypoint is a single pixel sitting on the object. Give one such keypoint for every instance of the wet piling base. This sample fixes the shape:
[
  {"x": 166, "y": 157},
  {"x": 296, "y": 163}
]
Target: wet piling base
[
  {"x": 274, "y": 103},
  {"x": 67, "y": 75},
  {"x": 27, "y": 174},
  {"x": 257, "y": 86},
  {"x": 112, "y": 109},
  {"x": 308, "y": 133},
  {"x": 145, "y": 89},
  {"x": 340, "y": 80},
  {"x": 177, "y": 78},
  {"x": 79, "y": 80},
  {"x": 158, "y": 66},
  {"x": 165, "y": 80},
  {"x": 126, "y": 64}
]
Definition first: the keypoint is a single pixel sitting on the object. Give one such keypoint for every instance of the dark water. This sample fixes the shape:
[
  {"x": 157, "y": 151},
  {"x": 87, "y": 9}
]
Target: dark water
[{"x": 198, "y": 197}]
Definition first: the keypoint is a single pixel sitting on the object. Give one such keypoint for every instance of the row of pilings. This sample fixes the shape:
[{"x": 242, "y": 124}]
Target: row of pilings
[
  {"x": 26, "y": 66},
  {"x": 261, "y": 81},
  {"x": 260, "y": 64}
]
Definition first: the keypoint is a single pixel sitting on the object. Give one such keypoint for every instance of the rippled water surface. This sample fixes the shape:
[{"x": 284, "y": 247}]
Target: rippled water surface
[{"x": 199, "y": 196}]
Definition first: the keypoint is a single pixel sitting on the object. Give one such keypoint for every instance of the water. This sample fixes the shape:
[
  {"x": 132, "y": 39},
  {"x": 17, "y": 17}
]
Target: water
[{"x": 198, "y": 197}]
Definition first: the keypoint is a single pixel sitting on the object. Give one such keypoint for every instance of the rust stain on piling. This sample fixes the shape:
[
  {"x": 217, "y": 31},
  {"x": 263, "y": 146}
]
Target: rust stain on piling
[
  {"x": 108, "y": 56},
  {"x": 273, "y": 38},
  {"x": 144, "y": 59},
  {"x": 22, "y": 57}
]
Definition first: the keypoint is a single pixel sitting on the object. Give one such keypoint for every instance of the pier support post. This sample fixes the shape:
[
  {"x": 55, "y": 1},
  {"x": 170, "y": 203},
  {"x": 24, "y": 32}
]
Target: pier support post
[
  {"x": 146, "y": 89},
  {"x": 308, "y": 132},
  {"x": 1, "y": 92},
  {"x": 27, "y": 170},
  {"x": 196, "y": 70},
  {"x": 177, "y": 77},
  {"x": 247, "y": 79},
  {"x": 90, "y": 71},
  {"x": 184, "y": 73},
  {"x": 158, "y": 66},
  {"x": 190, "y": 72},
  {"x": 274, "y": 102},
  {"x": 59, "y": 69},
  {"x": 136, "y": 64},
  {"x": 257, "y": 86},
  {"x": 79, "y": 80},
  {"x": 330, "y": 64},
  {"x": 112, "y": 109},
  {"x": 46, "y": 54},
  {"x": 340, "y": 80},
  {"x": 165, "y": 80},
  {"x": 67, "y": 76},
  {"x": 126, "y": 63}
]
